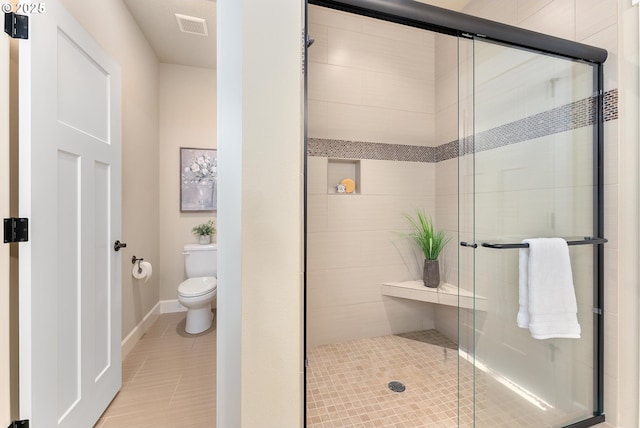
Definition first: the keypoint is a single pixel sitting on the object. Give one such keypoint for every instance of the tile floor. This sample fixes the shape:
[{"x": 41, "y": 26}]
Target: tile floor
[
  {"x": 347, "y": 387},
  {"x": 168, "y": 380}
]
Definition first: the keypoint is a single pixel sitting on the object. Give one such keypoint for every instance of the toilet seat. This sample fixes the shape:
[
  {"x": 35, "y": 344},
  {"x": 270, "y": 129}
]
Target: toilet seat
[{"x": 194, "y": 287}]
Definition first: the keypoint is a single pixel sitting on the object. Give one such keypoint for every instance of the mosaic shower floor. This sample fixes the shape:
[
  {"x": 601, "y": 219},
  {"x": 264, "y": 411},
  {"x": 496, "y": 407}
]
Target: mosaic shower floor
[{"x": 347, "y": 387}]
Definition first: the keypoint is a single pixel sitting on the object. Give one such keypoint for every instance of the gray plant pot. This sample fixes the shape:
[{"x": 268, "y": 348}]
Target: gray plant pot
[{"x": 431, "y": 273}]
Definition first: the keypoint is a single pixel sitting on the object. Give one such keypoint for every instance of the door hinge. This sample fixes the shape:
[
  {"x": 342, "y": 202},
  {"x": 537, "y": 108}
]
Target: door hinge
[
  {"x": 16, "y": 230},
  {"x": 19, "y": 424},
  {"x": 306, "y": 363},
  {"x": 17, "y": 26},
  {"x": 597, "y": 311}
]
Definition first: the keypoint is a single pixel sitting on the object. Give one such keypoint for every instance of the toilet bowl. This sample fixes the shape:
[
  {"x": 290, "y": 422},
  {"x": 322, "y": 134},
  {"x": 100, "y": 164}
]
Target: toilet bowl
[
  {"x": 200, "y": 289},
  {"x": 196, "y": 294}
]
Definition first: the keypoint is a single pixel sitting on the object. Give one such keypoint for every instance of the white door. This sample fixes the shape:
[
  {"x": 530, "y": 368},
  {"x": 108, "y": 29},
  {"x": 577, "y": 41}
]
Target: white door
[{"x": 70, "y": 359}]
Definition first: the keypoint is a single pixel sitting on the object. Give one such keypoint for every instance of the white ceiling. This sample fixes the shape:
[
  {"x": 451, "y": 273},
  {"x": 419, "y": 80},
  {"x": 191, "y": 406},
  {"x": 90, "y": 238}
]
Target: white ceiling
[{"x": 156, "y": 19}]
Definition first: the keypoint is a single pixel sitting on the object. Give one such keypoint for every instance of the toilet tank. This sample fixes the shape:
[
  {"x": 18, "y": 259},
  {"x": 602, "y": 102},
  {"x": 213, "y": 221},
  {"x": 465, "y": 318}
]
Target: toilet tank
[{"x": 200, "y": 260}]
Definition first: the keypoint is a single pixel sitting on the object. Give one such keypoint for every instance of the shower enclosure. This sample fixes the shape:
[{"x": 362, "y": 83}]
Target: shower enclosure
[
  {"x": 529, "y": 166},
  {"x": 528, "y": 162}
]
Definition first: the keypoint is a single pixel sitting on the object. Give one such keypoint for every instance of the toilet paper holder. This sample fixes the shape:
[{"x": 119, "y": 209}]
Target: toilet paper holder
[{"x": 134, "y": 259}]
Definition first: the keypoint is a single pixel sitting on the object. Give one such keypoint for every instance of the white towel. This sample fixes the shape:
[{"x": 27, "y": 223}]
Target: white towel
[{"x": 547, "y": 297}]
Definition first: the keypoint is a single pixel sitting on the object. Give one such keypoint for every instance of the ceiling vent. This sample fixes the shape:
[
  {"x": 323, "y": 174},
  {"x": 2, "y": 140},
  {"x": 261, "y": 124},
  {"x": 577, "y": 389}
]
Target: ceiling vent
[{"x": 192, "y": 25}]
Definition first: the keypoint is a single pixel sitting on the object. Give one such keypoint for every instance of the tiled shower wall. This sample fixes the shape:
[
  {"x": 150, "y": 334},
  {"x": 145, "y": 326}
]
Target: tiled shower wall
[{"x": 369, "y": 82}]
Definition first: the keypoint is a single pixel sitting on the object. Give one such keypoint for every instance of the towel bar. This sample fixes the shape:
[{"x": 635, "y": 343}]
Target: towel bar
[{"x": 586, "y": 241}]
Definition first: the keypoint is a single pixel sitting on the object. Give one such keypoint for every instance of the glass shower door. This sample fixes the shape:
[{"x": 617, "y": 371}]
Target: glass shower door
[{"x": 528, "y": 172}]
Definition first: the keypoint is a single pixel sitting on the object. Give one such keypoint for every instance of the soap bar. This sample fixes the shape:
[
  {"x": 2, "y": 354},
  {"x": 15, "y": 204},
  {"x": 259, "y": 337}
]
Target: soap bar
[{"x": 349, "y": 184}]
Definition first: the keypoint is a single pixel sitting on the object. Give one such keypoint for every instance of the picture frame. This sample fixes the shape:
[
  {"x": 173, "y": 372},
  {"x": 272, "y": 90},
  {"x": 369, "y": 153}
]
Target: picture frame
[{"x": 198, "y": 179}]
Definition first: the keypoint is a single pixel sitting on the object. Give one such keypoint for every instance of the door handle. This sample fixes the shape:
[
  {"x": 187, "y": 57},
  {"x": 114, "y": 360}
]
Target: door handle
[
  {"x": 117, "y": 245},
  {"x": 466, "y": 244}
]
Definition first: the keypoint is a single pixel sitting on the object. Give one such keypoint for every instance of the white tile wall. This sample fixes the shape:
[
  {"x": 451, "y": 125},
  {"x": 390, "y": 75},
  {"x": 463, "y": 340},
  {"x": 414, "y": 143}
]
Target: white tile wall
[
  {"x": 607, "y": 39},
  {"x": 593, "y": 16},
  {"x": 611, "y": 276},
  {"x": 526, "y": 8},
  {"x": 370, "y": 80},
  {"x": 317, "y": 210},
  {"x": 398, "y": 178},
  {"x": 556, "y": 19},
  {"x": 356, "y": 242},
  {"x": 316, "y": 175},
  {"x": 319, "y": 52},
  {"x": 381, "y": 54},
  {"x": 333, "y": 18},
  {"x": 400, "y": 33},
  {"x": 611, "y": 215},
  {"x": 397, "y": 92},
  {"x": 358, "y": 123},
  {"x": 415, "y": 128},
  {"x": 399, "y": 315},
  {"x": 447, "y": 90},
  {"x": 446, "y": 129},
  {"x": 446, "y": 51},
  {"x": 334, "y": 84},
  {"x": 319, "y": 111},
  {"x": 504, "y": 11}
]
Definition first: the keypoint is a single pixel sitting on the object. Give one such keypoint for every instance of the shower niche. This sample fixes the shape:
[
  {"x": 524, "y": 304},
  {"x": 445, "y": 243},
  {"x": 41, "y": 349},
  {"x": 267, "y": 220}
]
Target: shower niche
[{"x": 344, "y": 172}]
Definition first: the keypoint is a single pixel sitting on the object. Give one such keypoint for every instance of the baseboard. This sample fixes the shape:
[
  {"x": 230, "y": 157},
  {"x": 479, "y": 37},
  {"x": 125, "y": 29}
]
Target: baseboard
[
  {"x": 162, "y": 307},
  {"x": 171, "y": 306},
  {"x": 139, "y": 330}
]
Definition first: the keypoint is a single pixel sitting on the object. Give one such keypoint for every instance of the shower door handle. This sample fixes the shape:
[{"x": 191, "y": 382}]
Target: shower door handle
[{"x": 466, "y": 244}]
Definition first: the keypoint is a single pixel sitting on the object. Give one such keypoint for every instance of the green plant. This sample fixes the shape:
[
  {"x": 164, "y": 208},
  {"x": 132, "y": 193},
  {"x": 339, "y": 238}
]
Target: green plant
[
  {"x": 430, "y": 241},
  {"x": 204, "y": 229}
]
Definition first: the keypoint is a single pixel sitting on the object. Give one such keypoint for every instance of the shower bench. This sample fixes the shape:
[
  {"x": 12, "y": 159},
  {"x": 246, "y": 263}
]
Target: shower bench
[{"x": 445, "y": 294}]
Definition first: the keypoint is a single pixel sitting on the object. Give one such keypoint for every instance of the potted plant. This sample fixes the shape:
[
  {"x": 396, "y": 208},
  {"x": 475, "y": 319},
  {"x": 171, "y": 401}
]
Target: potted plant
[
  {"x": 204, "y": 232},
  {"x": 431, "y": 242}
]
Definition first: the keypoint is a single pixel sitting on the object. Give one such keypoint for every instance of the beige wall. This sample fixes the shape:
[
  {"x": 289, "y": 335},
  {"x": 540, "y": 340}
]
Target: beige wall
[
  {"x": 5, "y": 400},
  {"x": 272, "y": 216},
  {"x": 111, "y": 24},
  {"x": 260, "y": 146},
  {"x": 623, "y": 326},
  {"x": 187, "y": 119}
]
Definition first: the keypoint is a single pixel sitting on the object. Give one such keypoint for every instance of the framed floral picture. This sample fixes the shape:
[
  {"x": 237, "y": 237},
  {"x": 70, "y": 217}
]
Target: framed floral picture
[{"x": 198, "y": 179}]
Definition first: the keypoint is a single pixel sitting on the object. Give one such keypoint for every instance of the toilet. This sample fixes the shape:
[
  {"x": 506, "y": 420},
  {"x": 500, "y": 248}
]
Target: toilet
[{"x": 199, "y": 290}]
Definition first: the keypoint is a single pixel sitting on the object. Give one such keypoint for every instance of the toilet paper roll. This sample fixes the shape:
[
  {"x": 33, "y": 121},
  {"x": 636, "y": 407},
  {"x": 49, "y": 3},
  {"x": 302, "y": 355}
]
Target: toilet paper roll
[{"x": 143, "y": 272}]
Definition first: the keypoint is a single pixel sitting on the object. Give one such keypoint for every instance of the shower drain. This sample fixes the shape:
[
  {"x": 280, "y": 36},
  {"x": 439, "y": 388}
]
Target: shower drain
[{"x": 396, "y": 386}]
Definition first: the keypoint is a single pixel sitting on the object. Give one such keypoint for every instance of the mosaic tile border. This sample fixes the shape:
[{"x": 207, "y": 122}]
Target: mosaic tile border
[
  {"x": 363, "y": 150},
  {"x": 560, "y": 119},
  {"x": 610, "y": 105}
]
